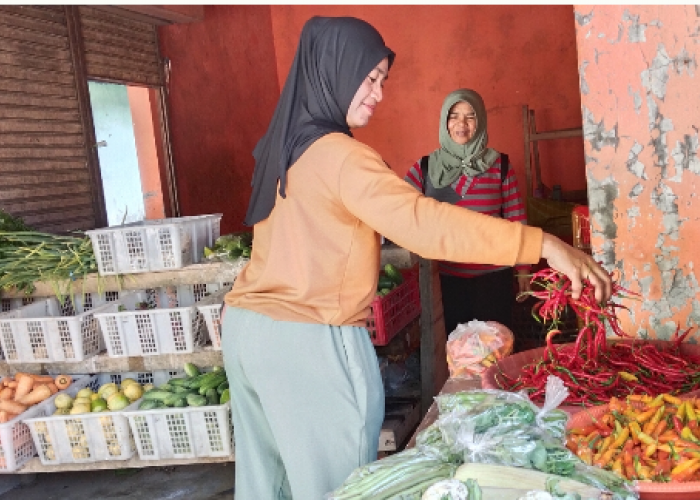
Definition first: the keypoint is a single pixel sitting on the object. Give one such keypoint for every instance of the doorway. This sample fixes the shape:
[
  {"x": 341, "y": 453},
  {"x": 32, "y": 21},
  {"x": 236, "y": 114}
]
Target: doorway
[{"x": 126, "y": 148}]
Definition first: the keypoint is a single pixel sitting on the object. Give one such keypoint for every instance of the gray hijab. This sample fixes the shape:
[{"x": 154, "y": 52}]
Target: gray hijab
[
  {"x": 334, "y": 56},
  {"x": 447, "y": 163}
]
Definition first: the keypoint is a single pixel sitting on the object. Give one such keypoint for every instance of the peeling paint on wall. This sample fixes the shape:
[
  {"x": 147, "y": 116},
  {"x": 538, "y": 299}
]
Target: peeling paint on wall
[
  {"x": 582, "y": 77},
  {"x": 595, "y": 133},
  {"x": 583, "y": 19},
  {"x": 633, "y": 164},
  {"x": 654, "y": 79},
  {"x": 635, "y": 32},
  {"x": 644, "y": 191},
  {"x": 637, "y": 99}
]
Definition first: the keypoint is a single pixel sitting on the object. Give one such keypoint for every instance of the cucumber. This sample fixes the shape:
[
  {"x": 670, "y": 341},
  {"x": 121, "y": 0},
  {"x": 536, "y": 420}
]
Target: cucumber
[
  {"x": 179, "y": 403},
  {"x": 217, "y": 369},
  {"x": 222, "y": 386},
  {"x": 165, "y": 387},
  {"x": 181, "y": 390},
  {"x": 225, "y": 396},
  {"x": 393, "y": 274},
  {"x": 212, "y": 397},
  {"x": 197, "y": 382},
  {"x": 211, "y": 384},
  {"x": 191, "y": 370},
  {"x": 171, "y": 399},
  {"x": 156, "y": 394},
  {"x": 196, "y": 400},
  {"x": 385, "y": 282},
  {"x": 148, "y": 404},
  {"x": 177, "y": 382}
]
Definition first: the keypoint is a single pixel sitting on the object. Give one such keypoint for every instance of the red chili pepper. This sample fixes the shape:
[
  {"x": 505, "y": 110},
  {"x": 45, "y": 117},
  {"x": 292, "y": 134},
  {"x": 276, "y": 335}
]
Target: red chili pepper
[{"x": 677, "y": 424}]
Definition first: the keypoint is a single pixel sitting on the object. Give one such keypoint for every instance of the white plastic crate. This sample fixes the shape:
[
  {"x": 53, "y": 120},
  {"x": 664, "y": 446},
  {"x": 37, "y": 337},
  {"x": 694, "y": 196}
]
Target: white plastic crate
[
  {"x": 89, "y": 437},
  {"x": 189, "y": 432},
  {"x": 16, "y": 444},
  {"x": 174, "y": 326},
  {"x": 210, "y": 308},
  {"x": 154, "y": 245},
  {"x": 10, "y": 304},
  {"x": 46, "y": 331}
]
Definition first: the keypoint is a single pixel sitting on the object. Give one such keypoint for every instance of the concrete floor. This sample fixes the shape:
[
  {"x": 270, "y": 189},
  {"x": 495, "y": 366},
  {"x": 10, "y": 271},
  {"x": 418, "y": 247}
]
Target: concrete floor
[{"x": 186, "y": 482}]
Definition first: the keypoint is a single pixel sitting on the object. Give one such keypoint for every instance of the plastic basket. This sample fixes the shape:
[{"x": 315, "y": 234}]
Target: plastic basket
[
  {"x": 580, "y": 223},
  {"x": 188, "y": 432},
  {"x": 513, "y": 364},
  {"x": 154, "y": 245},
  {"x": 210, "y": 308},
  {"x": 10, "y": 304},
  {"x": 173, "y": 327},
  {"x": 89, "y": 437},
  {"x": 647, "y": 490},
  {"x": 47, "y": 331},
  {"x": 16, "y": 444},
  {"x": 389, "y": 314}
]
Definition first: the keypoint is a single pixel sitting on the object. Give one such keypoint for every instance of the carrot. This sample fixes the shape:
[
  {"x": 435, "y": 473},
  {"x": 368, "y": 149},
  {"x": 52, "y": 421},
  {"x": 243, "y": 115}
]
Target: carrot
[
  {"x": 52, "y": 387},
  {"x": 39, "y": 394},
  {"x": 7, "y": 393},
  {"x": 63, "y": 381},
  {"x": 12, "y": 406},
  {"x": 42, "y": 379},
  {"x": 24, "y": 387}
]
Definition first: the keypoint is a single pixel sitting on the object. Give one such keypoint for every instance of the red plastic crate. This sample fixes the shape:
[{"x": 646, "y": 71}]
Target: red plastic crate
[{"x": 389, "y": 314}]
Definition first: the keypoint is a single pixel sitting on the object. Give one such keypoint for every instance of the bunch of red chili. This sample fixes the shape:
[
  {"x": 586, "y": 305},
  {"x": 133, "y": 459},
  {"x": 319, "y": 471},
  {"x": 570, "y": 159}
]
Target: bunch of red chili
[{"x": 593, "y": 370}]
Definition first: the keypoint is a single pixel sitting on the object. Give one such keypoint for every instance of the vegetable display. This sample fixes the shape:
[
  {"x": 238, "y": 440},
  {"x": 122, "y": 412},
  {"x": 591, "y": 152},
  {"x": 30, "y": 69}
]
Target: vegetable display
[
  {"x": 195, "y": 389},
  {"x": 481, "y": 427},
  {"x": 29, "y": 256},
  {"x": 644, "y": 438},
  {"x": 24, "y": 390},
  {"x": 231, "y": 246},
  {"x": 593, "y": 369}
]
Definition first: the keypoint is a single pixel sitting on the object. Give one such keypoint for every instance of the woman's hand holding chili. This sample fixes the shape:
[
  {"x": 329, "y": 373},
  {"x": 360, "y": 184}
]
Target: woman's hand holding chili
[{"x": 577, "y": 266}]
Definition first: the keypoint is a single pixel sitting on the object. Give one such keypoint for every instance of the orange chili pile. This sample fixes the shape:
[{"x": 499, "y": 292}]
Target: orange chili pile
[
  {"x": 592, "y": 369},
  {"x": 644, "y": 438}
]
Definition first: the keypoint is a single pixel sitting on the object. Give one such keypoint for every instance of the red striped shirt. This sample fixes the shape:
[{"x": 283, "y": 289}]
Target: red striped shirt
[{"x": 486, "y": 194}]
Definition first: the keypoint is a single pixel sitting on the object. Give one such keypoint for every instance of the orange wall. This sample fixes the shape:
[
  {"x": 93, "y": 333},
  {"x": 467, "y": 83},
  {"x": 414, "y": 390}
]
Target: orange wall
[
  {"x": 641, "y": 107},
  {"x": 222, "y": 92},
  {"x": 227, "y": 72},
  {"x": 512, "y": 55}
]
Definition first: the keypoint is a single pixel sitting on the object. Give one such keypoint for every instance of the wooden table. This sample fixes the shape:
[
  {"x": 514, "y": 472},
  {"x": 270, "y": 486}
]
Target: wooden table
[{"x": 451, "y": 386}]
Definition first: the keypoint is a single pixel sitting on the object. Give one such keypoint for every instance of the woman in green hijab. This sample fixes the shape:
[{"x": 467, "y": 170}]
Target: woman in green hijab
[{"x": 465, "y": 172}]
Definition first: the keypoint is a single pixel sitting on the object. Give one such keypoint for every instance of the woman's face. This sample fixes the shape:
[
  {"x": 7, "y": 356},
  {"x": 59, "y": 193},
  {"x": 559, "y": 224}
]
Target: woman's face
[
  {"x": 368, "y": 95},
  {"x": 461, "y": 123}
]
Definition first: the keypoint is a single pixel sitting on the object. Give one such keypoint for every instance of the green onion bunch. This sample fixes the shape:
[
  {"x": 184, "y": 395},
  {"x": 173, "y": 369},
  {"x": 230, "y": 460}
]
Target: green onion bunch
[{"x": 30, "y": 256}]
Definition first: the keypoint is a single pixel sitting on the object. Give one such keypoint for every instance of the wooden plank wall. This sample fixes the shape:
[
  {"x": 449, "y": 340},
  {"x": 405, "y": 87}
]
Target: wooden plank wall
[
  {"x": 43, "y": 162},
  {"x": 119, "y": 49}
]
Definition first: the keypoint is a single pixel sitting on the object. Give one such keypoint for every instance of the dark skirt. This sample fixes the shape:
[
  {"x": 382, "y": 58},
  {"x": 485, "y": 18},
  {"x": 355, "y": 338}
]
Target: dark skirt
[{"x": 489, "y": 297}]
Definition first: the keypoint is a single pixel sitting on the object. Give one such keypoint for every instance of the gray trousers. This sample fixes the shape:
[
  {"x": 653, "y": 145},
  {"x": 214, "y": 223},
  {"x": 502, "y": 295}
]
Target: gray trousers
[{"x": 307, "y": 404}]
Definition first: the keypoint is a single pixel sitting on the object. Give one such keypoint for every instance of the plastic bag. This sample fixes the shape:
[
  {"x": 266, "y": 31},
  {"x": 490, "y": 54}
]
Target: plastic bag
[{"x": 476, "y": 345}]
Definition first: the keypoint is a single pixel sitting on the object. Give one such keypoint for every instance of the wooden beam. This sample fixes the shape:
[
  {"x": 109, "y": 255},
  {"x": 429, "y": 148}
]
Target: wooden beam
[
  {"x": 77, "y": 50},
  {"x": 557, "y": 134},
  {"x": 433, "y": 354}
]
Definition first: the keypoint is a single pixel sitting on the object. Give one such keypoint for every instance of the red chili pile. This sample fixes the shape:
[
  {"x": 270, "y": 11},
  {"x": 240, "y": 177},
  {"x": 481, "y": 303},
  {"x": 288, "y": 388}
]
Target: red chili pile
[{"x": 593, "y": 369}]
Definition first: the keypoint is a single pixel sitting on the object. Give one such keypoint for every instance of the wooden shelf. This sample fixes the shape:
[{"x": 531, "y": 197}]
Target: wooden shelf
[
  {"x": 210, "y": 272},
  {"x": 102, "y": 363},
  {"x": 34, "y": 465}
]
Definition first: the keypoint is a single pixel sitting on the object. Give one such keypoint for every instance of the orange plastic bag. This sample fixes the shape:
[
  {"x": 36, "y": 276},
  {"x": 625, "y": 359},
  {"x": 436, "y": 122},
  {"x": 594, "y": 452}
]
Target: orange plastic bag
[{"x": 474, "y": 346}]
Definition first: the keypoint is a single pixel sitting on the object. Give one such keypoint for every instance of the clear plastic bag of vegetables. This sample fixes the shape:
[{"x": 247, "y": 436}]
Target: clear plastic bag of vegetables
[{"x": 491, "y": 408}]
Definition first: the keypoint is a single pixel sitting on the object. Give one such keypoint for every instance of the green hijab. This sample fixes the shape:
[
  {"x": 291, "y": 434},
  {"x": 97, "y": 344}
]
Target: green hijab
[{"x": 450, "y": 161}]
